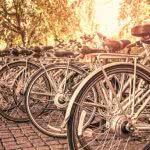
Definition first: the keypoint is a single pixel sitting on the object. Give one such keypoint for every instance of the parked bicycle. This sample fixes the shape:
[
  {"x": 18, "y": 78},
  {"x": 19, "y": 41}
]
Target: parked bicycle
[
  {"x": 121, "y": 119},
  {"x": 47, "y": 99}
]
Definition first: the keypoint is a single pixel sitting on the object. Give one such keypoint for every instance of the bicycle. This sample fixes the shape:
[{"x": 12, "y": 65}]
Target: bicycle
[
  {"x": 13, "y": 78},
  {"x": 122, "y": 117},
  {"x": 68, "y": 75}
]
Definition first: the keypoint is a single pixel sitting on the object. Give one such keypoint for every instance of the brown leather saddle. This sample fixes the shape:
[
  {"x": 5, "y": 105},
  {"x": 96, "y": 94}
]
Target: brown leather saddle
[
  {"x": 23, "y": 52},
  {"x": 85, "y": 50},
  {"x": 63, "y": 54},
  {"x": 4, "y": 53},
  {"x": 142, "y": 31},
  {"x": 115, "y": 45}
]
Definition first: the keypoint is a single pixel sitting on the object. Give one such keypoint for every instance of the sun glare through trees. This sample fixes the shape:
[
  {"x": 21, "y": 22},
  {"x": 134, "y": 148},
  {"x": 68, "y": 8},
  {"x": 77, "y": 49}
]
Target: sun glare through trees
[
  {"x": 106, "y": 15},
  {"x": 40, "y": 21}
]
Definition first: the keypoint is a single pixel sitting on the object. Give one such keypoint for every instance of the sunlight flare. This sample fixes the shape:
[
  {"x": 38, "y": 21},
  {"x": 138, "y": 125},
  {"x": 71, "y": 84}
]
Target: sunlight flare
[{"x": 106, "y": 15}]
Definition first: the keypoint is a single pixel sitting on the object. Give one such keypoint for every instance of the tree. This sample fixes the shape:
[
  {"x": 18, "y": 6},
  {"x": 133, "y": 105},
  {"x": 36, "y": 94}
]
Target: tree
[
  {"x": 35, "y": 21},
  {"x": 133, "y": 12},
  {"x": 19, "y": 19}
]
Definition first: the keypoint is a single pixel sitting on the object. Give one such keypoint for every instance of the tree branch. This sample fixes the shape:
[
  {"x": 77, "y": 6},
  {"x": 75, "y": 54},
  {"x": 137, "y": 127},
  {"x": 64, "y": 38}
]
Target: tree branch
[{"x": 9, "y": 27}]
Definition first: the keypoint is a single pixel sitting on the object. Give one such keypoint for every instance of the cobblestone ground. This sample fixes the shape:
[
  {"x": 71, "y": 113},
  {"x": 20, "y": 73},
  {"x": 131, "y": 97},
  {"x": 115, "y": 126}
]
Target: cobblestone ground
[{"x": 24, "y": 136}]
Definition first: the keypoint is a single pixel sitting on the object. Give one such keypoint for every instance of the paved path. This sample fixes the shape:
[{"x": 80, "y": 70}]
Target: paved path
[{"x": 24, "y": 136}]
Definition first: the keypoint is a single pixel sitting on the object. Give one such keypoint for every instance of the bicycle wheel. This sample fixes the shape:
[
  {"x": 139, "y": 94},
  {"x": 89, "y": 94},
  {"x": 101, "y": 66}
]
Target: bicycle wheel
[
  {"x": 13, "y": 77},
  {"x": 147, "y": 146},
  {"x": 122, "y": 117},
  {"x": 45, "y": 105}
]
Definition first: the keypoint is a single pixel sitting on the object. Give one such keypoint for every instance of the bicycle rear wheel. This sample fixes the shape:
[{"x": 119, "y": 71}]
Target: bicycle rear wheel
[
  {"x": 46, "y": 105},
  {"x": 13, "y": 78},
  {"x": 116, "y": 124},
  {"x": 147, "y": 146}
]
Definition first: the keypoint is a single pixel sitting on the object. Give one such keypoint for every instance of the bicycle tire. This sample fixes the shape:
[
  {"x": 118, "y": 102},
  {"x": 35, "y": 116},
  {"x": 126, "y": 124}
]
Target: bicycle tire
[
  {"x": 73, "y": 133},
  {"x": 147, "y": 146},
  {"x": 5, "y": 69},
  {"x": 28, "y": 91}
]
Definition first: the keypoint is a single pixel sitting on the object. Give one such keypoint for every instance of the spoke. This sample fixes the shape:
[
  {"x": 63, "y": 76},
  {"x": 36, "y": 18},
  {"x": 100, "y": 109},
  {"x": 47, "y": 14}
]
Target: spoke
[
  {"x": 116, "y": 144},
  {"x": 126, "y": 102},
  {"x": 143, "y": 97},
  {"x": 106, "y": 96},
  {"x": 122, "y": 80},
  {"x": 44, "y": 94},
  {"x": 89, "y": 143},
  {"x": 109, "y": 83},
  {"x": 127, "y": 83},
  {"x": 119, "y": 144},
  {"x": 134, "y": 86},
  {"x": 100, "y": 91},
  {"x": 105, "y": 140},
  {"x": 52, "y": 81},
  {"x": 87, "y": 110},
  {"x": 126, "y": 143},
  {"x": 94, "y": 104},
  {"x": 58, "y": 119},
  {"x": 112, "y": 141},
  {"x": 141, "y": 108},
  {"x": 65, "y": 79}
]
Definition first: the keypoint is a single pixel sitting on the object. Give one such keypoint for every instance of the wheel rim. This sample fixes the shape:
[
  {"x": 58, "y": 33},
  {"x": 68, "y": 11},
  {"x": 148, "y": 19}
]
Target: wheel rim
[
  {"x": 9, "y": 73},
  {"x": 56, "y": 102},
  {"x": 113, "y": 128}
]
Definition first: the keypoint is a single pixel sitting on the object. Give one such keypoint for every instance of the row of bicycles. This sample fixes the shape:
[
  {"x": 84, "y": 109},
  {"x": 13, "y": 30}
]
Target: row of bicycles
[{"x": 98, "y": 100}]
